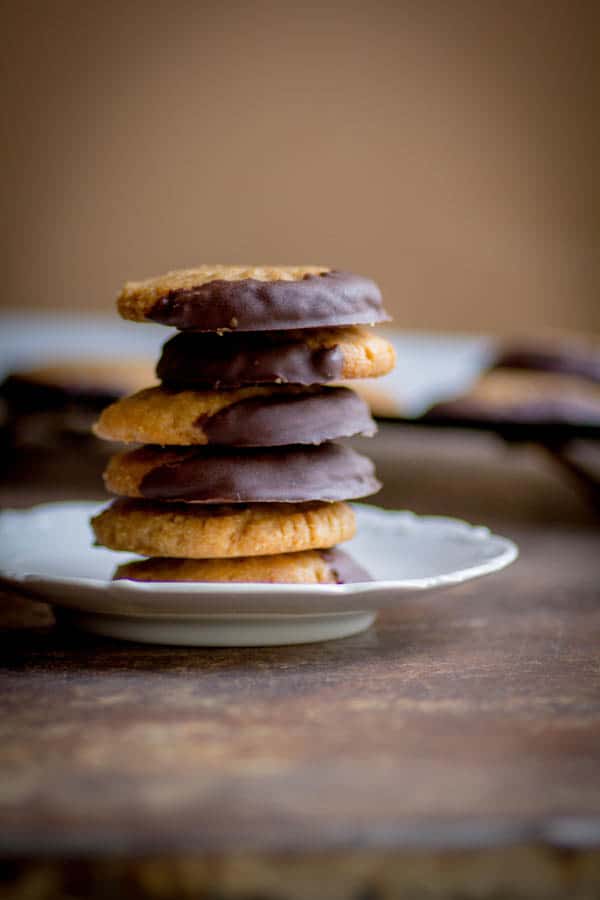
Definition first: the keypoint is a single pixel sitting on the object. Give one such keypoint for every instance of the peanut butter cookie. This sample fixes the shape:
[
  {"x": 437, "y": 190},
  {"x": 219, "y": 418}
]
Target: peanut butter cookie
[{"x": 192, "y": 531}]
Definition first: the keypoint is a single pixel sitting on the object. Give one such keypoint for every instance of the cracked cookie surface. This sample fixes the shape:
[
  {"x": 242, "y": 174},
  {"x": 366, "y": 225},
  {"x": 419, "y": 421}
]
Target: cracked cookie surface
[{"x": 190, "y": 531}]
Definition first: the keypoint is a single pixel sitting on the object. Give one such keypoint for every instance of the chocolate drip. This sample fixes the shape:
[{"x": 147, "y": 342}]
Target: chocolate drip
[
  {"x": 287, "y": 418},
  {"x": 345, "y": 569},
  {"x": 230, "y": 360},
  {"x": 334, "y": 298},
  {"x": 291, "y": 474}
]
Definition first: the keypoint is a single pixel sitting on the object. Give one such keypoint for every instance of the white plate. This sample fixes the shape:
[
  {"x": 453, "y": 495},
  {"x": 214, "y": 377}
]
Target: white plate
[{"x": 47, "y": 551}]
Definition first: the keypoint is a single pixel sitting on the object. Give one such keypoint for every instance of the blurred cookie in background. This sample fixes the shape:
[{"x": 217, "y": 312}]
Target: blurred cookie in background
[
  {"x": 542, "y": 390},
  {"x": 53, "y": 406},
  {"x": 540, "y": 382},
  {"x": 522, "y": 396},
  {"x": 566, "y": 353},
  {"x": 545, "y": 381}
]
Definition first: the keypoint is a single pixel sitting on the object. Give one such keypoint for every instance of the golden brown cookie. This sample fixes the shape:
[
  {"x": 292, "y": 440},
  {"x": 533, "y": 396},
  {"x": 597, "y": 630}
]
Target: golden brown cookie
[
  {"x": 253, "y": 298},
  {"x": 292, "y": 474},
  {"x": 313, "y": 356},
  {"x": 247, "y": 417},
  {"x": 308, "y": 567},
  {"x": 190, "y": 531}
]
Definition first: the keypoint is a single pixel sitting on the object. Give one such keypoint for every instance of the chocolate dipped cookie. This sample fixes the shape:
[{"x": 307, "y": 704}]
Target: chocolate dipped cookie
[
  {"x": 289, "y": 474},
  {"x": 311, "y": 356},
  {"x": 253, "y": 298},
  {"x": 248, "y": 417}
]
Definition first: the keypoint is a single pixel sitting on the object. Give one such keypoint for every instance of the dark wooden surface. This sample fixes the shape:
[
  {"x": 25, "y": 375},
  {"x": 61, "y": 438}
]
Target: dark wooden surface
[{"x": 468, "y": 720}]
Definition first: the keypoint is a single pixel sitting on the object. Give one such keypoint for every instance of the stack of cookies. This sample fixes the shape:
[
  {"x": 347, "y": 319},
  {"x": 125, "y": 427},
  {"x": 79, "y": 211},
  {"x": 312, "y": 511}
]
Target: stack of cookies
[{"x": 240, "y": 477}]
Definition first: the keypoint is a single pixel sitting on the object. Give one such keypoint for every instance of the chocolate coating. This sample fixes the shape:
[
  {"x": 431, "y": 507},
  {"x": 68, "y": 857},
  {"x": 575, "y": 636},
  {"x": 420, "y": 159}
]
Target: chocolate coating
[
  {"x": 346, "y": 570},
  {"x": 304, "y": 418},
  {"x": 287, "y": 474},
  {"x": 334, "y": 298},
  {"x": 232, "y": 360}
]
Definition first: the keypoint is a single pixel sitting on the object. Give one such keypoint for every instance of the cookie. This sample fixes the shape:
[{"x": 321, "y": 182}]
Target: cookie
[
  {"x": 309, "y": 567},
  {"x": 249, "y": 417},
  {"x": 192, "y": 531},
  {"x": 253, "y": 298},
  {"x": 569, "y": 354},
  {"x": 295, "y": 357},
  {"x": 221, "y": 475},
  {"x": 90, "y": 383},
  {"x": 50, "y": 405},
  {"x": 525, "y": 397}
]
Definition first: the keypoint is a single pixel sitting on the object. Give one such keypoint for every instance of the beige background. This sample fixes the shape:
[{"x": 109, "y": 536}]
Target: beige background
[{"x": 448, "y": 149}]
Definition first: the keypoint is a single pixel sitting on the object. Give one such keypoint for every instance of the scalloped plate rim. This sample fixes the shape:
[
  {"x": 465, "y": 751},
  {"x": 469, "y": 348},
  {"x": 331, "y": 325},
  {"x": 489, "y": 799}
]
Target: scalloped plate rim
[{"x": 508, "y": 553}]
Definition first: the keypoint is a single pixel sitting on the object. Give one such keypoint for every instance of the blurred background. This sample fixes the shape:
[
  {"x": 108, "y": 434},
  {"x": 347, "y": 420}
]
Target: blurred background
[{"x": 449, "y": 150}]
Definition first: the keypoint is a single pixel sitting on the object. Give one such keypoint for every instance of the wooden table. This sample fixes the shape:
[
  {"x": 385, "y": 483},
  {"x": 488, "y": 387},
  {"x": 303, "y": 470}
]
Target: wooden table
[{"x": 452, "y": 750}]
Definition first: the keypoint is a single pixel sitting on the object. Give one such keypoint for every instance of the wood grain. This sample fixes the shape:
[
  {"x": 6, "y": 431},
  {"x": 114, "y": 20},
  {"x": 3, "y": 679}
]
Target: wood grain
[{"x": 464, "y": 721}]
